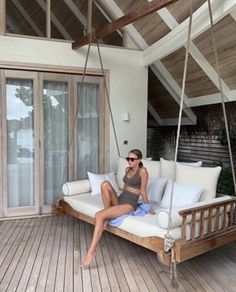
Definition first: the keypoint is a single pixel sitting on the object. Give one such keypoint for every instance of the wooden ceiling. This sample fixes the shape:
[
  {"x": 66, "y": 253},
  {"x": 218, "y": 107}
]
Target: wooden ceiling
[{"x": 162, "y": 37}]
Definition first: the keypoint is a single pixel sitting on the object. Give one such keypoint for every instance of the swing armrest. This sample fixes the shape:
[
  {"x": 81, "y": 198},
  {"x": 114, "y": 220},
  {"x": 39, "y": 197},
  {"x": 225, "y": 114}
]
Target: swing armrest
[
  {"x": 212, "y": 217},
  {"x": 177, "y": 214}
]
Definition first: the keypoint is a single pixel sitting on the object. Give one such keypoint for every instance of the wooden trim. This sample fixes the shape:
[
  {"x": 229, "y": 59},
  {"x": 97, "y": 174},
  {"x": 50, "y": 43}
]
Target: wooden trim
[
  {"x": 188, "y": 249},
  {"x": 1, "y": 139},
  {"x": 48, "y": 19},
  {"x": 36, "y": 140},
  {"x": 146, "y": 9},
  {"x": 2, "y": 17},
  {"x": 50, "y": 68}
]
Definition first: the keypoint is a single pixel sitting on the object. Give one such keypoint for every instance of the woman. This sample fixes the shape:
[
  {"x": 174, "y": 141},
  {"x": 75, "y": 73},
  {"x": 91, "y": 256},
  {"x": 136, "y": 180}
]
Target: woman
[{"x": 135, "y": 182}]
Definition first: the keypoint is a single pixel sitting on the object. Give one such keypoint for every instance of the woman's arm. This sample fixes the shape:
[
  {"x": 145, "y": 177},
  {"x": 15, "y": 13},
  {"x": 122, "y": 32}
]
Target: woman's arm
[
  {"x": 144, "y": 179},
  {"x": 143, "y": 189}
]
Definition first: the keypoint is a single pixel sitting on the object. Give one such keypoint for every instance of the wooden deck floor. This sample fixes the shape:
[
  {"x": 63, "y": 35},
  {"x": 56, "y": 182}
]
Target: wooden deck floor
[{"x": 44, "y": 254}]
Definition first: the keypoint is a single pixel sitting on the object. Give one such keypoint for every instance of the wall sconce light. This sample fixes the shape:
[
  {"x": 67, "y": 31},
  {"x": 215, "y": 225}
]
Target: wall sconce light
[{"x": 125, "y": 116}]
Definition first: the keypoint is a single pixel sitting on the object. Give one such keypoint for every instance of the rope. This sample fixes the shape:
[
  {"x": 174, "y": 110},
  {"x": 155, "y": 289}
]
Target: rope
[
  {"x": 169, "y": 241},
  {"x": 180, "y": 113},
  {"x": 222, "y": 95},
  {"x": 108, "y": 99},
  {"x": 63, "y": 177}
]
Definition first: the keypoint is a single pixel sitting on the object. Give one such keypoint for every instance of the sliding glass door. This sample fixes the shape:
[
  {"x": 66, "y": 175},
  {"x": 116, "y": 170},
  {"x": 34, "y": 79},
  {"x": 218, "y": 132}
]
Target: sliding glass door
[
  {"x": 19, "y": 143},
  {"x": 90, "y": 147},
  {"x": 53, "y": 131},
  {"x": 55, "y": 125}
]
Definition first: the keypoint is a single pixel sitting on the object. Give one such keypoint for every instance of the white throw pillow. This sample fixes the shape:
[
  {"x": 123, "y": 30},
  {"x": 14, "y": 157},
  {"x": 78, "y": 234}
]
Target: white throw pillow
[
  {"x": 96, "y": 180},
  {"x": 183, "y": 195},
  {"x": 155, "y": 188},
  {"x": 153, "y": 167},
  {"x": 122, "y": 164},
  {"x": 205, "y": 177},
  {"x": 168, "y": 167}
]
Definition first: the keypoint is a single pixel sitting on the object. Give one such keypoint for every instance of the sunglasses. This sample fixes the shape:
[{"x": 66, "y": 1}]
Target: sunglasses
[{"x": 132, "y": 159}]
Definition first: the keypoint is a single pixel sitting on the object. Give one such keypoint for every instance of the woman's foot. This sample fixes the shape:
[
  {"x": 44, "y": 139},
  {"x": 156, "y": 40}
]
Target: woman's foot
[{"x": 88, "y": 259}]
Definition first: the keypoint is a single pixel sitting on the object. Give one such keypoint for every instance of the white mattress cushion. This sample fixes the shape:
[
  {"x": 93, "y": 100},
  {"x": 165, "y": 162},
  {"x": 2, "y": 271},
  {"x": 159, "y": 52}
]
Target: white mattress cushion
[{"x": 205, "y": 177}]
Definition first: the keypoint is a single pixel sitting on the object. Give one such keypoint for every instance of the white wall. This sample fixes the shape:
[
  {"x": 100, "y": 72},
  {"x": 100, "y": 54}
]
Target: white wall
[{"x": 128, "y": 81}]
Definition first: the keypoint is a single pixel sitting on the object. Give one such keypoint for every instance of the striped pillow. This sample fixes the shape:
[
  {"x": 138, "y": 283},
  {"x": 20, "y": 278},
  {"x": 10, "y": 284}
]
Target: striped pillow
[
  {"x": 155, "y": 188},
  {"x": 183, "y": 195}
]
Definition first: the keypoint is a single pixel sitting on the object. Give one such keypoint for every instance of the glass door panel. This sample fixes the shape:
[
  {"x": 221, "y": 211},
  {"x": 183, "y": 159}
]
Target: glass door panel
[
  {"x": 87, "y": 129},
  {"x": 20, "y": 143},
  {"x": 56, "y": 137}
]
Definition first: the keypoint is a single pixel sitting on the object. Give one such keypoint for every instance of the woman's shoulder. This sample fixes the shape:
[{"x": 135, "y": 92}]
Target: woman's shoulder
[{"x": 143, "y": 170}]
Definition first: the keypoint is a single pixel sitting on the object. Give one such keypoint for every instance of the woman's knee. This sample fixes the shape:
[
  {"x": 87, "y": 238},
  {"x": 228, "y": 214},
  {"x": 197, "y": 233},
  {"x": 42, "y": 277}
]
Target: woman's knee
[
  {"x": 105, "y": 185},
  {"x": 99, "y": 216}
]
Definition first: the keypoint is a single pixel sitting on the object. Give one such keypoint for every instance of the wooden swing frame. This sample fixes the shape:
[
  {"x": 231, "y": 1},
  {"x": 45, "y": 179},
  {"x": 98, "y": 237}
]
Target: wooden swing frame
[{"x": 183, "y": 248}]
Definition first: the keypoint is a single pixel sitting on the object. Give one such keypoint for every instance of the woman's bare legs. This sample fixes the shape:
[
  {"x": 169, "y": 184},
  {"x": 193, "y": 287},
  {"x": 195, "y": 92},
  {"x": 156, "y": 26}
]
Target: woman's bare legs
[
  {"x": 109, "y": 195},
  {"x": 101, "y": 217}
]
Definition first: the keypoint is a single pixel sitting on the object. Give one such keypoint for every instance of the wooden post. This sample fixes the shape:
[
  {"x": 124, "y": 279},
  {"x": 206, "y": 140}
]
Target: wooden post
[
  {"x": 89, "y": 16},
  {"x": 48, "y": 19},
  {"x": 2, "y": 17}
]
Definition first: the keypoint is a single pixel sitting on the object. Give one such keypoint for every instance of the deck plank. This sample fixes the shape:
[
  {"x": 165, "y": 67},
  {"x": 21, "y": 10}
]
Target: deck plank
[
  {"x": 26, "y": 230},
  {"x": 31, "y": 287},
  {"x": 122, "y": 282},
  {"x": 23, "y": 260},
  {"x": 45, "y": 253},
  {"x": 31, "y": 258},
  {"x": 54, "y": 256},
  {"x": 77, "y": 260},
  {"x": 47, "y": 257}
]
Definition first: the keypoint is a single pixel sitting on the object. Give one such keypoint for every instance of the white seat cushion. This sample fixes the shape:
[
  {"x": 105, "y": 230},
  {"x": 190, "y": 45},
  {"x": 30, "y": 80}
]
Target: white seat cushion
[
  {"x": 96, "y": 180},
  {"x": 205, "y": 177},
  {"x": 183, "y": 195},
  {"x": 153, "y": 167},
  {"x": 168, "y": 167},
  {"x": 155, "y": 188}
]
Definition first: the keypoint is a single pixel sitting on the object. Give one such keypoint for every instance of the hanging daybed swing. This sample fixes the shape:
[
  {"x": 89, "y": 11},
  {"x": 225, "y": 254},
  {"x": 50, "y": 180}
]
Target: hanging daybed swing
[{"x": 169, "y": 250}]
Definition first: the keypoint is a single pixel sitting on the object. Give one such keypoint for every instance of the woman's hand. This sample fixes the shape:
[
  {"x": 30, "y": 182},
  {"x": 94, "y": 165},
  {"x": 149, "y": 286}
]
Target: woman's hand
[{"x": 151, "y": 211}]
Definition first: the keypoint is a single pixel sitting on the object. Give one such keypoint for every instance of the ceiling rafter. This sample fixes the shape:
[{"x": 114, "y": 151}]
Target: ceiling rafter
[
  {"x": 154, "y": 113},
  {"x": 77, "y": 13},
  {"x": 116, "y": 12},
  {"x": 28, "y": 18},
  {"x": 178, "y": 36},
  {"x": 168, "y": 18},
  {"x": 128, "y": 18},
  {"x": 55, "y": 21}
]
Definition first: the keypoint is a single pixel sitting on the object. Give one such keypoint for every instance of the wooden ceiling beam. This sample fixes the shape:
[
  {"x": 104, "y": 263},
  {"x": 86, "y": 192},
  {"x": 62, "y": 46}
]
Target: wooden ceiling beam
[{"x": 130, "y": 17}]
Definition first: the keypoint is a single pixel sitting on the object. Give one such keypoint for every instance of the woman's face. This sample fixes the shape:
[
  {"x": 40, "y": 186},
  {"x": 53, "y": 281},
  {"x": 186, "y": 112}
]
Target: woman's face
[{"x": 132, "y": 159}]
